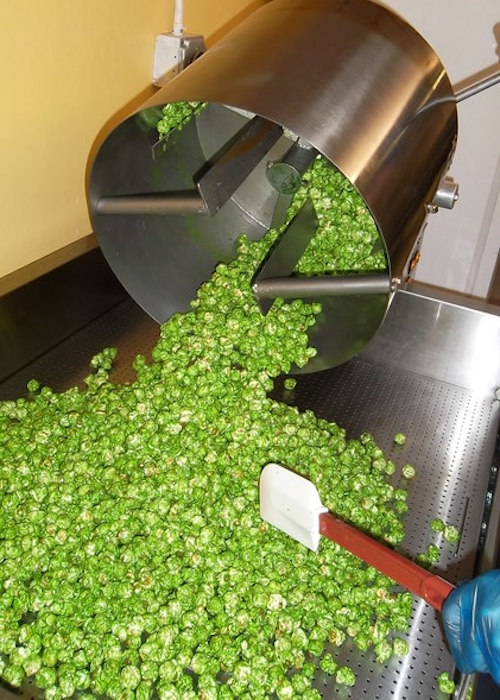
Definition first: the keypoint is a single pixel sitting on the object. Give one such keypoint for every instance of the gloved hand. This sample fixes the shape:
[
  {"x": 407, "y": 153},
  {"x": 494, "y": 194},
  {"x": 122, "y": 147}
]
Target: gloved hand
[{"x": 471, "y": 616}]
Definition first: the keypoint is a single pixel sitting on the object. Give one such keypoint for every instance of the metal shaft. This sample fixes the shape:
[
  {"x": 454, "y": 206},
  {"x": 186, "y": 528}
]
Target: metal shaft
[
  {"x": 477, "y": 86},
  {"x": 286, "y": 175},
  {"x": 155, "y": 203},
  {"x": 308, "y": 287}
]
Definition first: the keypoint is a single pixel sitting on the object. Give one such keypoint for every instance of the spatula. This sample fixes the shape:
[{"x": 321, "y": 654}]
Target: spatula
[{"x": 292, "y": 503}]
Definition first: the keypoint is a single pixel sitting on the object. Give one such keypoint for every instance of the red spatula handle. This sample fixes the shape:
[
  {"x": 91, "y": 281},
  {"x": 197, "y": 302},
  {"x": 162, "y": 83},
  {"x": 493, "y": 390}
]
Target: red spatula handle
[{"x": 416, "y": 579}]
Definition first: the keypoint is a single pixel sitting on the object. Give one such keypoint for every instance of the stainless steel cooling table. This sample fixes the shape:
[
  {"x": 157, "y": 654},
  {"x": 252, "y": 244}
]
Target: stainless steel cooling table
[{"x": 433, "y": 373}]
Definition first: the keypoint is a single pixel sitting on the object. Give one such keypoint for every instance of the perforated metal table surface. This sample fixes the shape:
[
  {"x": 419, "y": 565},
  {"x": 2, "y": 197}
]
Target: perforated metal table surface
[{"x": 431, "y": 373}]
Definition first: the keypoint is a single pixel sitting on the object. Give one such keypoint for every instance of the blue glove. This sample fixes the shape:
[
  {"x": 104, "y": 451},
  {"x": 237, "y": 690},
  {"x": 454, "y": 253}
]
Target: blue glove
[{"x": 471, "y": 616}]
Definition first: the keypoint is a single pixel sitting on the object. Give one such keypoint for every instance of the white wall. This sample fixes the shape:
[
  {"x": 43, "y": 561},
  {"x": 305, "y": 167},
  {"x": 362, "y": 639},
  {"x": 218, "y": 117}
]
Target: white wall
[{"x": 460, "y": 246}]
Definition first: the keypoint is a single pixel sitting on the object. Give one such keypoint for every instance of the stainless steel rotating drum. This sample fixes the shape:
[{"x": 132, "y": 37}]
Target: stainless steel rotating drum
[{"x": 349, "y": 78}]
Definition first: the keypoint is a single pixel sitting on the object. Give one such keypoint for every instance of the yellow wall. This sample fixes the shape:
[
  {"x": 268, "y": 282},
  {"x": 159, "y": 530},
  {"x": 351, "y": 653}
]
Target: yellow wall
[{"x": 68, "y": 66}]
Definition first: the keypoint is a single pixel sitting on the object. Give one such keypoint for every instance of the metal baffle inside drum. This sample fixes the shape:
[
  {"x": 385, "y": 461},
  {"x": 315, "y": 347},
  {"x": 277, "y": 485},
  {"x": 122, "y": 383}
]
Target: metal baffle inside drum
[{"x": 347, "y": 77}]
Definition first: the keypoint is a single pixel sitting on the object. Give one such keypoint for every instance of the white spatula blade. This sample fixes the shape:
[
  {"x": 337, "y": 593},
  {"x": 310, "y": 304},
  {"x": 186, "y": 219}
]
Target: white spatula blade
[{"x": 291, "y": 503}]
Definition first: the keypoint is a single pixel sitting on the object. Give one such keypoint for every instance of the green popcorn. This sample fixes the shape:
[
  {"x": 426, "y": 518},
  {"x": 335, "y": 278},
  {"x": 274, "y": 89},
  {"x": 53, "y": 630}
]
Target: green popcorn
[
  {"x": 437, "y": 525},
  {"x": 445, "y": 683},
  {"x": 400, "y": 647},
  {"x": 408, "y": 471},
  {"x": 345, "y": 676},
  {"x": 451, "y": 534}
]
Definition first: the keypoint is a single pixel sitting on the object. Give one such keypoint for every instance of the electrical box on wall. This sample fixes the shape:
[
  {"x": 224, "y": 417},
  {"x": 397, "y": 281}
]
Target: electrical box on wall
[{"x": 173, "y": 52}]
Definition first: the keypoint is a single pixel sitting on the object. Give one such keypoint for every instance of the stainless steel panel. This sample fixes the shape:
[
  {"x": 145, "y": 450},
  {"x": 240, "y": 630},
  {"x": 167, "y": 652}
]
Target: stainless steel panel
[
  {"x": 125, "y": 327},
  {"x": 236, "y": 161},
  {"x": 37, "y": 316},
  {"x": 450, "y": 417},
  {"x": 442, "y": 339}
]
